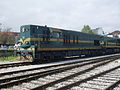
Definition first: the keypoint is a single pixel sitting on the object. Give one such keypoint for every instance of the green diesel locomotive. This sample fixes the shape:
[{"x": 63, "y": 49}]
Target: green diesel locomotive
[{"x": 39, "y": 43}]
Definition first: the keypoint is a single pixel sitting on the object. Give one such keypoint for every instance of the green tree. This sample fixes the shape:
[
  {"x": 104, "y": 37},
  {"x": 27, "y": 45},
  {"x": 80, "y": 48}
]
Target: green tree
[{"x": 86, "y": 29}]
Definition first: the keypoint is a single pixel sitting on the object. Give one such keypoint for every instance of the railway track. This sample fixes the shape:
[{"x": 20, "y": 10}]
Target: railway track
[
  {"x": 73, "y": 82},
  {"x": 15, "y": 64},
  {"x": 48, "y": 77},
  {"x": 106, "y": 80}
]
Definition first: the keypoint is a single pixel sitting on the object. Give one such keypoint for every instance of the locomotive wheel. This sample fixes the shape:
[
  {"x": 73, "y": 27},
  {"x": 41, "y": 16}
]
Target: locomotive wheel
[{"x": 28, "y": 58}]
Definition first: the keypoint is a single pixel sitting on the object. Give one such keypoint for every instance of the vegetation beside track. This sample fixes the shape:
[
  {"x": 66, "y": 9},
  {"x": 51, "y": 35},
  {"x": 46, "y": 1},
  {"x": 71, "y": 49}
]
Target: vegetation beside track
[{"x": 9, "y": 58}]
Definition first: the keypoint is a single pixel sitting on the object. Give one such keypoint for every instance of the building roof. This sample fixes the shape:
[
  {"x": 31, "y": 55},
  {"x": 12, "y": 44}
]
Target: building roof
[
  {"x": 115, "y": 32},
  {"x": 11, "y": 33}
]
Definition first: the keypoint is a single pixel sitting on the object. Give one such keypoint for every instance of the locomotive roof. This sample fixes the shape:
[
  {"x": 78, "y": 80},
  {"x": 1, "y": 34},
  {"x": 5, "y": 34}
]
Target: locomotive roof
[{"x": 65, "y": 30}]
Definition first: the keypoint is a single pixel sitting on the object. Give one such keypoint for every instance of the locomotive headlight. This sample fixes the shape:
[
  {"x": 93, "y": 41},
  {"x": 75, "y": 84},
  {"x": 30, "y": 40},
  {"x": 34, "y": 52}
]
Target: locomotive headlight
[{"x": 27, "y": 42}]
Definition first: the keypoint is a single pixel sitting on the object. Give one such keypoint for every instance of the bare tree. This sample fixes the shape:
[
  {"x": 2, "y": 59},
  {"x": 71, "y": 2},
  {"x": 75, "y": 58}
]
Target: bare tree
[{"x": 6, "y": 36}]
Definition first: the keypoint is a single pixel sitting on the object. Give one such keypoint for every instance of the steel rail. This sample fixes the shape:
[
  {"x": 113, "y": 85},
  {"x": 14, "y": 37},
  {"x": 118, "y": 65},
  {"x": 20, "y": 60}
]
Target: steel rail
[
  {"x": 87, "y": 61},
  {"x": 112, "y": 86},
  {"x": 14, "y": 64},
  {"x": 86, "y": 79},
  {"x": 44, "y": 72},
  {"x": 34, "y": 76},
  {"x": 43, "y": 87}
]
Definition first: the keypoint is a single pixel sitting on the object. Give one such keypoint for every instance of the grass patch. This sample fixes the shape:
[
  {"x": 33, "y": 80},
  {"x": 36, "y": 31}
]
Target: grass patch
[{"x": 8, "y": 58}]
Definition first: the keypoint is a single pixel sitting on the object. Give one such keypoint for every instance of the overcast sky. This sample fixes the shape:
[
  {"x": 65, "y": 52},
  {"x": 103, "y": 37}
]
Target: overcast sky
[{"x": 67, "y": 14}]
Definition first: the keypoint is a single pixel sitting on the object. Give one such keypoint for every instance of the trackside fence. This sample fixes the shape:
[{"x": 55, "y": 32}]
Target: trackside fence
[{"x": 5, "y": 53}]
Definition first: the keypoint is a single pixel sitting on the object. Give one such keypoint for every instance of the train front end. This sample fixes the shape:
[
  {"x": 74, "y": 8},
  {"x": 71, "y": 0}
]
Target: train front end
[{"x": 25, "y": 48}]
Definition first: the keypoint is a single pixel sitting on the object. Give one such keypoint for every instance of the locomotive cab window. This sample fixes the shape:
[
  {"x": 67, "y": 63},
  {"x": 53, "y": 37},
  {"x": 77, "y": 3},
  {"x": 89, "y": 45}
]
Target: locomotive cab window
[
  {"x": 27, "y": 30},
  {"x": 24, "y": 30},
  {"x": 96, "y": 42}
]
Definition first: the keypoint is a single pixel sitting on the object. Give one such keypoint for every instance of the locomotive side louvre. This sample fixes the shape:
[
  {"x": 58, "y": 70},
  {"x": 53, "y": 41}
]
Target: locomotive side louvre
[{"x": 42, "y": 42}]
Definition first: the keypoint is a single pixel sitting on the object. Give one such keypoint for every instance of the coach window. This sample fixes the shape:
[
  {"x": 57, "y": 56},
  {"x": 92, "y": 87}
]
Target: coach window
[
  {"x": 55, "y": 34},
  {"x": 96, "y": 42}
]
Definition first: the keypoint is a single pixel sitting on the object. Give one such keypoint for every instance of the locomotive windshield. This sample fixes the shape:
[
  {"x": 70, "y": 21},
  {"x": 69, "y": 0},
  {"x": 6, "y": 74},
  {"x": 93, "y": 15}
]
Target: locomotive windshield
[{"x": 24, "y": 30}]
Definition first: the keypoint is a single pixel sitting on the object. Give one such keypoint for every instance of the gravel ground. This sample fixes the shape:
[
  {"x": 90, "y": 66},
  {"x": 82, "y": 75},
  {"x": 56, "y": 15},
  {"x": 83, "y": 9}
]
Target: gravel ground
[
  {"x": 50, "y": 78},
  {"x": 103, "y": 81},
  {"x": 35, "y": 83},
  {"x": 80, "y": 77}
]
